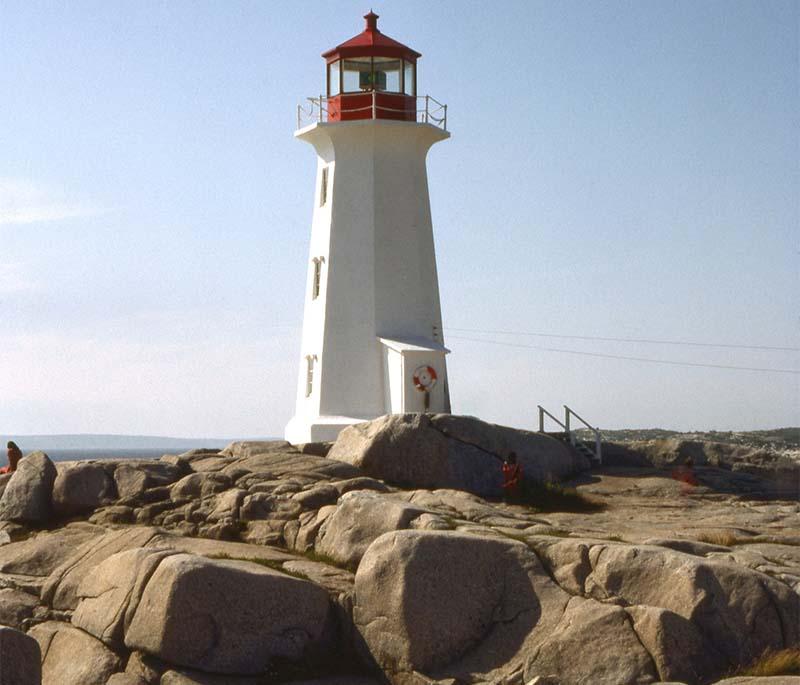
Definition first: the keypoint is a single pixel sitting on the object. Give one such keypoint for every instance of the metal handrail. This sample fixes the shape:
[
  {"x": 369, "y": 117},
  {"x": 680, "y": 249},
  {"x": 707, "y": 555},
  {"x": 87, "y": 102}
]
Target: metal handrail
[
  {"x": 542, "y": 412},
  {"x": 598, "y": 445},
  {"x": 433, "y": 111}
]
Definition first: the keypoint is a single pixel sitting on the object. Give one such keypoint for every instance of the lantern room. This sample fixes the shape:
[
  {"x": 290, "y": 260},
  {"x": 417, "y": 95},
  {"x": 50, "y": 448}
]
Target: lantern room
[{"x": 371, "y": 76}]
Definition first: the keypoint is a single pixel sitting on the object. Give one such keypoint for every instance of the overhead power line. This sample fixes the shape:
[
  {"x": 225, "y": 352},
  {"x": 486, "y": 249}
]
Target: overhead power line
[
  {"x": 669, "y": 362},
  {"x": 628, "y": 340}
]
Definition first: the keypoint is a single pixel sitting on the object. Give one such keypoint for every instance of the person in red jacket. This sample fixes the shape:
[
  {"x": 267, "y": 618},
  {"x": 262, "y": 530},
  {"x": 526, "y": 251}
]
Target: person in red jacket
[
  {"x": 14, "y": 455},
  {"x": 512, "y": 477}
]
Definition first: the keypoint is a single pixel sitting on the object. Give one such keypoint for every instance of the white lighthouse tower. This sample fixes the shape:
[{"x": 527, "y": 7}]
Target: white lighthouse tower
[{"x": 372, "y": 326}]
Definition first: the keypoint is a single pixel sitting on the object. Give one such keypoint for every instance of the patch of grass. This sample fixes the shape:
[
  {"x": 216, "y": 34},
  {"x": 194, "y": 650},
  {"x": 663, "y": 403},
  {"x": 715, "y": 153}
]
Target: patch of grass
[
  {"x": 719, "y": 537},
  {"x": 555, "y": 533},
  {"x": 311, "y": 555},
  {"x": 512, "y": 536},
  {"x": 729, "y": 539},
  {"x": 773, "y": 663},
  {"x": 614, "y": 538},
  {"x": 552, "y": 497},
  {"x": 274, "y": 564}
]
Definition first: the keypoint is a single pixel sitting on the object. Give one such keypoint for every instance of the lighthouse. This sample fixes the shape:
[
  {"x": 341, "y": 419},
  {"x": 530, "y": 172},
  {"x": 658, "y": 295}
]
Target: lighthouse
[{"x": 372, "y": 339}]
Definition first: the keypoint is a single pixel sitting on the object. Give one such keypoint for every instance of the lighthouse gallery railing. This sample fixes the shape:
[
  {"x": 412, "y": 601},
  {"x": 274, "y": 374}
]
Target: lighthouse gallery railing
[{"x": 428, "y": 110}]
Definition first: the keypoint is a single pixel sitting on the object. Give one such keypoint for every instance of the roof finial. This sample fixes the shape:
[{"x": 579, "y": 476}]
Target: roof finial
[{"x": 372, "y": 21}]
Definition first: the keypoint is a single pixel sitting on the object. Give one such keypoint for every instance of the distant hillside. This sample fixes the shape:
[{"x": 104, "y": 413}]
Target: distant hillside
[
  {"x": 776, "y": 438},
  {"x": 29, "y": 443}
]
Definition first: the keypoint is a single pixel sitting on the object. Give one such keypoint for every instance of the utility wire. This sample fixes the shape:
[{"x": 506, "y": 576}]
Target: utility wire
[
  {"x": 629, "y": 340},
  {"x": 616, "y": 356}
]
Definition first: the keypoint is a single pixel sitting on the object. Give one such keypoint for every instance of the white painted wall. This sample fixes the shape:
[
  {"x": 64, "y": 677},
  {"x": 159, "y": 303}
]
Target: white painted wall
[{"x": 379, "y": 275}]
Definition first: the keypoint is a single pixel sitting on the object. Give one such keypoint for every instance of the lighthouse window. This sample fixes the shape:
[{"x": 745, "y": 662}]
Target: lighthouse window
[
  {"x": 317, "y": 277},
  {"x": 357, "y": 74},
  {"x": 310, "y": 359},
  {"x": 333, "y": 78},
  {"x": 409, "y": 73},
  {"x": 323, "y": 187},
  {"x": 387, "y": 74}
]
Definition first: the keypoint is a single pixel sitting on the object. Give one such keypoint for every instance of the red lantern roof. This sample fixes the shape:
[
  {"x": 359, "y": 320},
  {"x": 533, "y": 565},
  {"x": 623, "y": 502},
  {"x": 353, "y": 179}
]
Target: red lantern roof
[{"x": 371, "y": 43}]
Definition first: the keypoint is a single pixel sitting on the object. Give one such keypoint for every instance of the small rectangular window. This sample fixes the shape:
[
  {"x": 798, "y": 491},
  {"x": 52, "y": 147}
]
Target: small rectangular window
[
  {"x": 357, "y": 75},
  {"x": 387, "y": 74},
  {"x": 323, "y": 187},
  {"x": 333, "y": 78},
  {"x": 317, "y": 277},
  {"x": 310, "y": 374},
  {"x": 408, "y": 78}
]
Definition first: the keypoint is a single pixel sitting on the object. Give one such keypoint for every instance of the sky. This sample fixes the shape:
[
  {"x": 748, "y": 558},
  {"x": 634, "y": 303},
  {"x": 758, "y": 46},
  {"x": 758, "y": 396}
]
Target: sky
[{"x": 617, "y": 169}]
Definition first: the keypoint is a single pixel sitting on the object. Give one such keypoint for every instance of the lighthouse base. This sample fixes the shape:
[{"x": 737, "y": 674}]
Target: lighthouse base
[{"x": 320, "y": 428}]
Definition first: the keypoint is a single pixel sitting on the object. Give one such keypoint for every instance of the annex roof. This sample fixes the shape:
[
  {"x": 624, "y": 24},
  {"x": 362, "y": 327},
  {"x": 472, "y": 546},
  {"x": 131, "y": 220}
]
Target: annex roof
[{"x": 414, "y": 344}]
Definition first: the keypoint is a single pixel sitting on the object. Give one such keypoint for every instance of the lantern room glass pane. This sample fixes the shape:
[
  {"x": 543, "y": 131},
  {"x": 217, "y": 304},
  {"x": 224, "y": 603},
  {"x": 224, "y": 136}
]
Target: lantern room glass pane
[
  {"x": 410, "y": 87},
  {"x": 357, "y": 74},
  {"x": 333, "y": 78},
  {"x": 387, "y": 74}
]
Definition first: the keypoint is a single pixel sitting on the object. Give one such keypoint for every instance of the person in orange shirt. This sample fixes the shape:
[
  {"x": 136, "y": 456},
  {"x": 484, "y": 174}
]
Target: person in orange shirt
[
  {"x": 14, "y": 455},
  {"x": 512, "y": 477}
]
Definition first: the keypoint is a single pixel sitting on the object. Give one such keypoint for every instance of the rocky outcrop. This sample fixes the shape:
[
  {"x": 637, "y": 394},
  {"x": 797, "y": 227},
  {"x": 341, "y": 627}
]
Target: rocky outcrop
[
  {"x": 15, "y": 607},
  {"x": 720, "y": 613},
  {"x": 220, "y": 568},
  {"x": 444, "y": 451},
  {"x": 41, "y": 553},
  {"x": 28, "y": 494},
  {"x": 20, "y": 658},
  {"x": 745, "y": 468}
]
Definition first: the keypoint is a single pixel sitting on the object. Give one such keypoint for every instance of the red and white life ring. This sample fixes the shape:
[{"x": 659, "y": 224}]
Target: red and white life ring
[{"x": 424, "y": 378}]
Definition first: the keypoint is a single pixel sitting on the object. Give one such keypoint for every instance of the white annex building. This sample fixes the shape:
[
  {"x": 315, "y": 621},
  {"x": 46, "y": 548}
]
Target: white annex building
[{"x": 372, "y": 326}]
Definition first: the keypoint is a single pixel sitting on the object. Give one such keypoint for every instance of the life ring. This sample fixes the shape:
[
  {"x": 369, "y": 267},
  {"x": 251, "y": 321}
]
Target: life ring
[{"x": 424, "y": 378}]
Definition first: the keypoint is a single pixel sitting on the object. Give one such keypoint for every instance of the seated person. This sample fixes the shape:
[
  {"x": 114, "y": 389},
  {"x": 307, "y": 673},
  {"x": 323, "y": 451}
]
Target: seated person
[{"x": 14, "y": 455}]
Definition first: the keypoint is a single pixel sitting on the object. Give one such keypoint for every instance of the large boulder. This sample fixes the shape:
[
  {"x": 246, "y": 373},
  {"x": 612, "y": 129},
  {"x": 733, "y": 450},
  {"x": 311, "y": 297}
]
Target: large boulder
[
  {"x": 20, "y": 658},
  {"x": 446, "y": 451},
  {"x": 110, "y": 594},
  {"x": 73, "y": 657},
  {"x": 231, "y": 617},
  {"x": 134, "y": 477},
  {"x": 250, "y": 448},
  {"x": 28, "y": 495},
  {"x": 675, "y": 644},
  {"x": 602, "y": 631},
  {"x": 360, "y": 517},
  {"x": 60, "y": 591},
  {"x": 197, "y": 485},
  {"x": 82, "y": 487},
  {"x": 453, "y": 604}
]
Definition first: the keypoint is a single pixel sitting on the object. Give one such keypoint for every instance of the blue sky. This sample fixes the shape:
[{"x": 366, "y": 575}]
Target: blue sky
[{"x": 617, "y": 169}]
